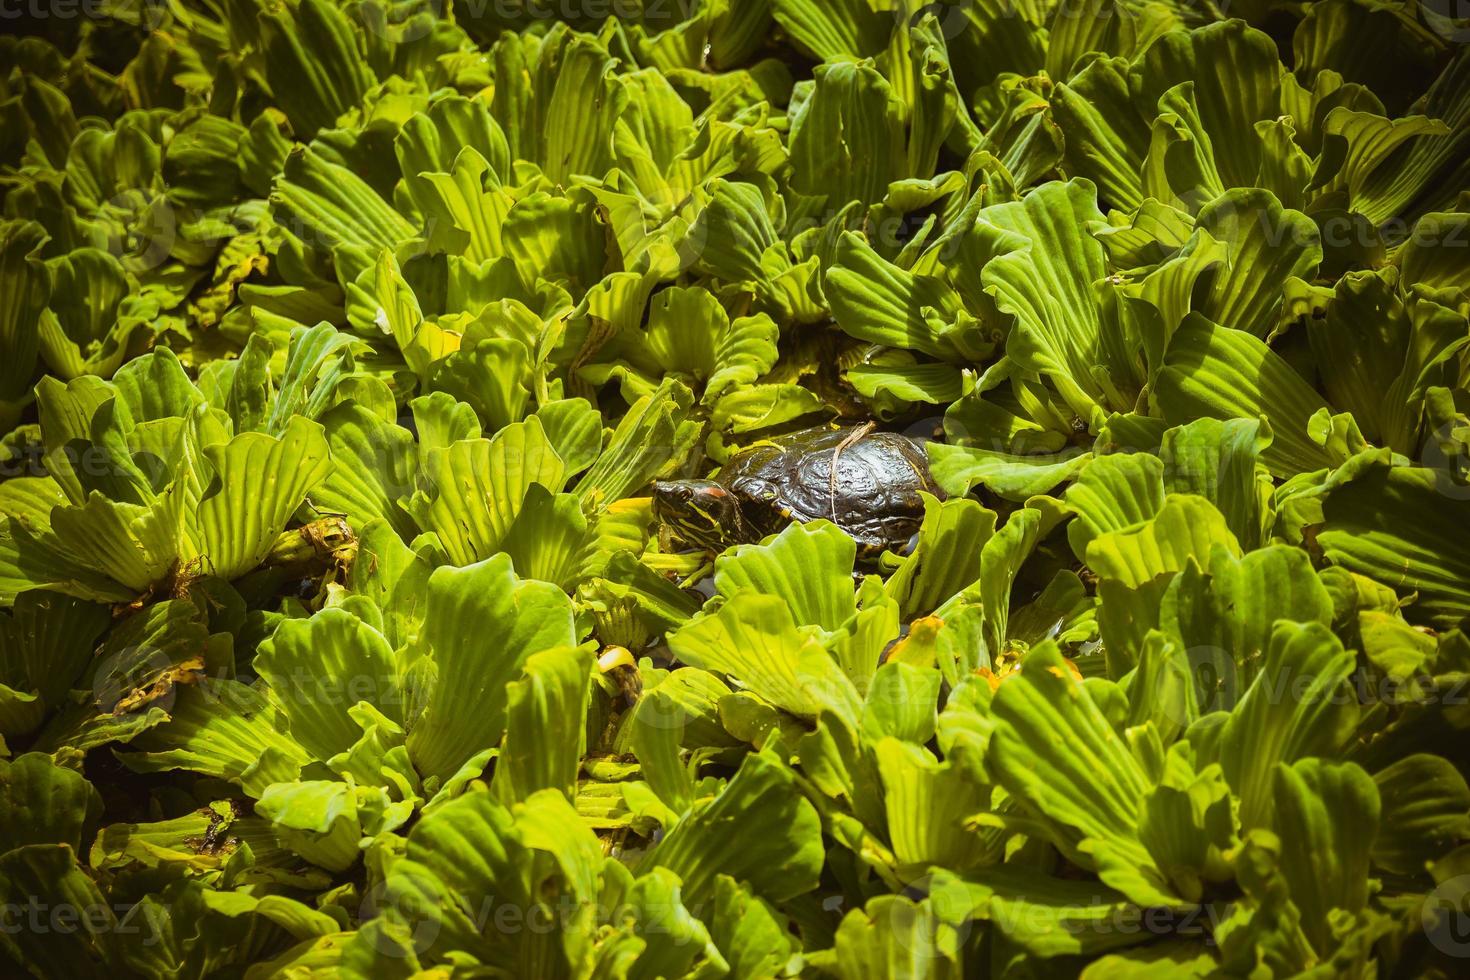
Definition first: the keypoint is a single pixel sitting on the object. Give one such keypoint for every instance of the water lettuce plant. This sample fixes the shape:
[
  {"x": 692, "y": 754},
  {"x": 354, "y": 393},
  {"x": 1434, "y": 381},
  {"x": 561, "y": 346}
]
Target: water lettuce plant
[{"x": 344, "y": 339}]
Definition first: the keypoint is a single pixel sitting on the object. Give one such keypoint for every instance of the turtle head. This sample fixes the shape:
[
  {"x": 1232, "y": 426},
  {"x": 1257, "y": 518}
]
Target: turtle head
[{"x": 701, "y": 512}]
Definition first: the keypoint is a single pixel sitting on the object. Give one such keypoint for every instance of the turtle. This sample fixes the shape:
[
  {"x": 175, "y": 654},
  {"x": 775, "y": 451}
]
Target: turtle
[{"x": 874, "y": 495}]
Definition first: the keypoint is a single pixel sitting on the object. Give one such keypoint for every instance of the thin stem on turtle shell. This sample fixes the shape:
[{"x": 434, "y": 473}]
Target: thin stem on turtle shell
[{"x": 848, "y": 440}]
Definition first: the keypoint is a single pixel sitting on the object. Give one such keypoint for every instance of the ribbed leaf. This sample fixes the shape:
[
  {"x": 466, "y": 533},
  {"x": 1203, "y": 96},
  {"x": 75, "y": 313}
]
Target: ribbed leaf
[
  {"x": 928, "y": 803},
  {"x": 321, "y": 667},
  {"x": 26, "y": 287},
  {"x": 1185, "y": 527},
  {"x": 314, "y": 64},
  {"x": 1425, "y": 812},
  {"x": 1222, "y": 610},
  {"x": 223, "y": 729},
  {"x": 776, "y": 847},
  {"x": 1114, "y": 493},
  {"x": 1222, "y": 373},
  {"x": 259, "y": 482},
  {"x": 478, "y": 486},
  {"x": 1300, "y": 705},
  {"x": 546, "y": 725},
  {"x": 1329, "y": 816},
  {"x": 1220, "y": 462},
  {"x": 809, "y": 566},
  {"x": 1042, "y": 266},
  {"x": 374, "y": 465},
  {"x": 947, "y": 557},
  {"x": 1266, "y": 246},
  {"x": 874, "y": 300},
  {"x": 42, "y": 803},
  {"x": 1388, "y": 523},
  {"x": 481, "y": 626},
  {"x": 753, "y": 640},
  {"x": 1054, "y": 750}
]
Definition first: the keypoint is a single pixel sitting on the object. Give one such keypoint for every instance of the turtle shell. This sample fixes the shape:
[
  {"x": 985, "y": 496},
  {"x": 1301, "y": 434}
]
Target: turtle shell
[{"x": 875, "y": 496}]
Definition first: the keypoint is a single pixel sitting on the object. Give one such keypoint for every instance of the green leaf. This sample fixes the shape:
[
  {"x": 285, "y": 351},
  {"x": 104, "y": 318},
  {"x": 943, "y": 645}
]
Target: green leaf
[
  {"x": 876, "y": 301},
  {"x": 478, "y": 486},
  {"x": 1386, "y": 522},
  {"x": 753, "y": 937},
  {"x": 1222, "y": 610},
  {"x": 928, "y": 802},
  {"x": 27, "y": 288},
  {"x": 753, "y": 640},
  {"x": 155, "y": 387},
  {"x": 1040, "y": 265},
  {"x": 733, "y": 232},
  {"x": 1266, "y": 246},
  {"x": 1054, "y": 750},
  {"x": 465, "y": 709},
  {"x": 37, "y": 880},
  {"x": 465, "y": 208},
  {"x": 947, "y": 557},
  {"x": 776, "y": 849},
  {"x": 324, "y": 202},
  {"x": 546, "y": 725},
  {"x": 807, "y": 565},
  {"x": 1222, "y": 373},
  {"x": 847, "y": 139},
  {"x": 957, "y": 469},
  {"x": 559, "y": 238},
  {"x": 318, "y": 819},
  {"x": 1117, "y": 492},
  {"x": 259, "y": 481},
  {"x": 42, "y": 803},
  {"x": 134, "y": 545},
  {"x": 1327, "y": 818},
  {"x": 319, "y": 669},
  {"x": 845, "y": 28},
  {"x": 1300, "y": 705},
  {"x": 225, "y": 729},
  {"x": 381, "y": 300},
  {"x": 1185, "y": 527},
  {"x": 1045, "y": 915},
  {"x": 549, "y": 537},
  {"x": 493, "y": 376},
  {"x": 1378, "y": 355},
  {"x": 1220, "y": 462},
  {"x": 431, "y": 141},
  {"x": 893, "y": 936},
  {"x": 46, "y": 643},
  {"x": 1425, "y": 812},
  {"x": 574, "y": 429},
  {"x": 88, "y": 327},
  {"x": 474, "y": 852},
  {"x": 657, "y": 430},
  {"x": 393, "y": 576},
  {"x": 374, "y": 466},
  {"x": 314, "y": 63}
]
